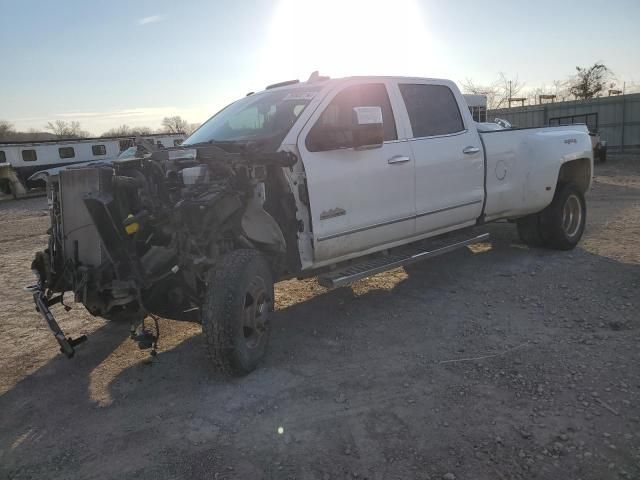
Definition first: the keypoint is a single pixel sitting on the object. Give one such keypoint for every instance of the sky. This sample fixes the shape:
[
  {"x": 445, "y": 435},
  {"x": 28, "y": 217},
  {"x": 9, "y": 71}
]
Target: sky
[{"x": 108, "y": 63}]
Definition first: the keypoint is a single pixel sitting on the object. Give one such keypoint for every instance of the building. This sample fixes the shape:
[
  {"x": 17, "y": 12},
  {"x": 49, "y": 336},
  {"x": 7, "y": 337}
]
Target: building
[{"x": 615, "y": 118}]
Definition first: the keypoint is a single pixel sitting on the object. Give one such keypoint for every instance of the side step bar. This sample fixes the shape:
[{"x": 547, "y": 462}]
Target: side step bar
[{"x": 362, "y": 270}]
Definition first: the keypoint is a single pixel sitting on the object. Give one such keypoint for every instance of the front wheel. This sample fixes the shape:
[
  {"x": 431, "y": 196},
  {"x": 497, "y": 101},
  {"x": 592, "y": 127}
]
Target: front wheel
[{"x": 235, "y": 314}]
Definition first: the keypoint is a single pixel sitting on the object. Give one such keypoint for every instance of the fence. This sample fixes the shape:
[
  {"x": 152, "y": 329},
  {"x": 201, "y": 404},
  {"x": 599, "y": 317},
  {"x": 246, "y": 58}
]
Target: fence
[{"x": 617, "y": 118}]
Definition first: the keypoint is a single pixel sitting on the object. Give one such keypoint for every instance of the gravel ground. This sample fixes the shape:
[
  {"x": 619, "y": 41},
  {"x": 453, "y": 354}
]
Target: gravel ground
[{"x": 494, "y": 362}]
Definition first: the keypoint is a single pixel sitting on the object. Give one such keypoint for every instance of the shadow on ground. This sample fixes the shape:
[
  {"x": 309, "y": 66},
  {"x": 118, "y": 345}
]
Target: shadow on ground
[{"x": 356, "y": 381}]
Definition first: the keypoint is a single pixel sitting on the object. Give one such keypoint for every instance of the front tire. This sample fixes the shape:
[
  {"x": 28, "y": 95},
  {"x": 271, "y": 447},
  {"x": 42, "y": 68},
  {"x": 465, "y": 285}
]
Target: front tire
[{"x": 235, "y": 314}]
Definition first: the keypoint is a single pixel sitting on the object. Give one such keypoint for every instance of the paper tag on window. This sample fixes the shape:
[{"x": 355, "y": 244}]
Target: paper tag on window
[
  {"x": 368, "y": 115},
  {"x": 300, "y": 96}
]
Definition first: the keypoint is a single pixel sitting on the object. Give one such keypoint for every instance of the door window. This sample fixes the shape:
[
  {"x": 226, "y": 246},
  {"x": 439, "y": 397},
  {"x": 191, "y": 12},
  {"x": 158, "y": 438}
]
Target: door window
[
  {"x": 432, "y": 110},
  {"x": 333, "y": 129}
]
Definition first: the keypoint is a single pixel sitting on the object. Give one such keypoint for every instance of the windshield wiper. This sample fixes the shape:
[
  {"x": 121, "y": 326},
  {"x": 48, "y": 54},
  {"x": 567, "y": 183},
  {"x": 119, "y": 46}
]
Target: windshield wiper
[{"x": 213, "y": 142}]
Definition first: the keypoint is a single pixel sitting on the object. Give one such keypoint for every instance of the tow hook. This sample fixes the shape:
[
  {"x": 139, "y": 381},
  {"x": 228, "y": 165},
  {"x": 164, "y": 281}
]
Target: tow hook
[
  {"x": 144, "y": 337},
  {"x": 43, "y": 303}
]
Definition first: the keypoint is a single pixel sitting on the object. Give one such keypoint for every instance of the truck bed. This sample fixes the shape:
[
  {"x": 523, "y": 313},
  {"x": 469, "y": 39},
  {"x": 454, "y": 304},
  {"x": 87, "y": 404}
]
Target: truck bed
[{"x": 522, "y": 166}]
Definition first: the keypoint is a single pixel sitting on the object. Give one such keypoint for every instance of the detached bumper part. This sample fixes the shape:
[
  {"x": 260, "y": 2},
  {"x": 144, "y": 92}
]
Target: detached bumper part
[{"x": 67, "y": 344}]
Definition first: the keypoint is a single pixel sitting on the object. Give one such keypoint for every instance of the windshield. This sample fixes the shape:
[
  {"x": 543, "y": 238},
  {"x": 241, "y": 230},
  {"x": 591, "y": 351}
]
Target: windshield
[
  {"x": 268, "y": 115},
  {"x": 128, "y": 153}
]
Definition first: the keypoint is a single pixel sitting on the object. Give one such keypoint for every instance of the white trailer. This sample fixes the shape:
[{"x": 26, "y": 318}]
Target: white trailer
[
  {"x": 477, "y": 106},
  {"x": 20, "y": 160}
]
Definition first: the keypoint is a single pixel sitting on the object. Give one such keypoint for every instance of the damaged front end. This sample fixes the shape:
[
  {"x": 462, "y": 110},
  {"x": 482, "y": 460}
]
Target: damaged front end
[{"x": 139, "y": 237}]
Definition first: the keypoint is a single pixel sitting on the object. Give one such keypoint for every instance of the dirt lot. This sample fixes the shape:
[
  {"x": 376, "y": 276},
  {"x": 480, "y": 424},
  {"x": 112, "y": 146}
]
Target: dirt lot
[{"x": 497, "y": 362}]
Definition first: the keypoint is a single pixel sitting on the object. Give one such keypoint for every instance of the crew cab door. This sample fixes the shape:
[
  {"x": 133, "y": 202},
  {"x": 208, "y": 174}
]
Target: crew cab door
[
  {"x": 361, "y": 198},
  {"x": 449, "y": 163}
]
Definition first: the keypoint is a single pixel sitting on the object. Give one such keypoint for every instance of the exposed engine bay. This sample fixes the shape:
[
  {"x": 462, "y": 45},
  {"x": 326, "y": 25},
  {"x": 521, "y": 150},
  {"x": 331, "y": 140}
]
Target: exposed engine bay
[{"x": 139, "y": 236}]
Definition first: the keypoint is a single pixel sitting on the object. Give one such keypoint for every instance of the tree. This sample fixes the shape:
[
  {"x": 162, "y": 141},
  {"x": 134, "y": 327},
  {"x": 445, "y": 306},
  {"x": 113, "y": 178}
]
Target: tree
[
  {"x": 62, "y": 129},
  {"x": 561, "y": 89},
  {"x": 498, "y": 92},
  {"x": 489, "y": 91},
  {"x": 589, "y": 82},
  {"x": 192, "y": 128},
  {"x": 121, "y": 131},
  {"x": 175, "y": 124},
  {"x": 9, "y": 134},
  {"x": 6, "y": 130},
  {"x": 508, "y": 88},
  {"x": 127, "y": 131},
  {"x": 141, "y": 131}
]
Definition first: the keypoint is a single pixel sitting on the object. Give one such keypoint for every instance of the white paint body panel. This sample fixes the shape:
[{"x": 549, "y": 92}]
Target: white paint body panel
[
  {"x": 440, "y": 189},
  {"x": 449, "y": 183},
  {"x": 528, "y": 160},
  {"x": 362, "y": 184}
]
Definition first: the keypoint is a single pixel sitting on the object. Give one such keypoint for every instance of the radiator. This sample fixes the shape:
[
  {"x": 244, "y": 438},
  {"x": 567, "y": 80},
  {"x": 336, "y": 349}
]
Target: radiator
[{"x": 81, "y": 239}]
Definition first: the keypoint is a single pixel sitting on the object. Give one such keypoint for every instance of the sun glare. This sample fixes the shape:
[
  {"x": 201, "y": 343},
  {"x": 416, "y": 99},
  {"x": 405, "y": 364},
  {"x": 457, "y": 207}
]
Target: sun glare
[{"x": 347, "y": 37}]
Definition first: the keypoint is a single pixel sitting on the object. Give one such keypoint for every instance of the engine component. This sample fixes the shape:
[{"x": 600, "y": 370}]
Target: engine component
[
  {"x": 195, "y": 175},
  {"x": 138, "y": 236}
]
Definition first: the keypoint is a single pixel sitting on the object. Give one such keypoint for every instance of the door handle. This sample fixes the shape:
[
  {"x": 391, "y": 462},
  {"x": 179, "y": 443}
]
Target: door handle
[
  {"x": 398, "y": 159},
  {"x": 470, "y": 150}
]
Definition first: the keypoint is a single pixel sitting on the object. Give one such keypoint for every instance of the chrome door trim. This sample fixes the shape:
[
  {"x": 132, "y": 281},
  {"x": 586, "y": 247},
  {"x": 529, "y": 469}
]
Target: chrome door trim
[
  {"x": 362, "y": 229},
  {"x": 397, "y": 220},
  {"x": 444, "y": 135},
  {"x": 439, "y": 210}
]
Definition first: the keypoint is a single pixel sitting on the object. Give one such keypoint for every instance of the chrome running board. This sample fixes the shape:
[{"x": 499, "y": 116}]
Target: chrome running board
[{"x": 352, "y": 273}]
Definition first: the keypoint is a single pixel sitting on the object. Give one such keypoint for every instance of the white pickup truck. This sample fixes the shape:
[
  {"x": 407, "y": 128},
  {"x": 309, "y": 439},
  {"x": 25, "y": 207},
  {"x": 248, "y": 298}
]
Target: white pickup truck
[{"x": 336, "y": 178}]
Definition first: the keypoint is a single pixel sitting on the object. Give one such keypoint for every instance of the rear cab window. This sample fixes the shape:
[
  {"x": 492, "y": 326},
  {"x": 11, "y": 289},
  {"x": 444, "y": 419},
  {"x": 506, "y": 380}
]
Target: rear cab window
[
  {"x": 332, "y": 130},
  {"x": 3, "y": 157},
  {"x": 432, "y": 109}
]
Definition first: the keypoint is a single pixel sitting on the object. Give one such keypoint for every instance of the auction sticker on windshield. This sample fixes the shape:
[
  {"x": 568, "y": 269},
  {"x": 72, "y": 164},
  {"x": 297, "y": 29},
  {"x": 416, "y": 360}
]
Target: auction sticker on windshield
[{"x": 300, "y": 96}]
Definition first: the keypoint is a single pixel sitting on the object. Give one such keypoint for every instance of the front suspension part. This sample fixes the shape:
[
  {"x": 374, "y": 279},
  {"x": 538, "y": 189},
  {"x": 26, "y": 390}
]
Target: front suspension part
[{"x": 43, "y": 303}]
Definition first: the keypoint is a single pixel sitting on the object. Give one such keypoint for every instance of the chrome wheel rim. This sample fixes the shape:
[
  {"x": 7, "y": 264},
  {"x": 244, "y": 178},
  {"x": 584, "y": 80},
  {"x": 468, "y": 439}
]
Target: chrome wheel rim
[
  {"x": 572, "y": 216},
  {"x": 256, "y": 313}
]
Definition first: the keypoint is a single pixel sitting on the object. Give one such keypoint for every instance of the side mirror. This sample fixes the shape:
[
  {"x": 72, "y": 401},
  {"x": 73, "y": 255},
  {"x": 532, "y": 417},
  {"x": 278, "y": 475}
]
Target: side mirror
[
  {"x": 503, "y": 123},
  {"x": 367, "y": 129}
]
